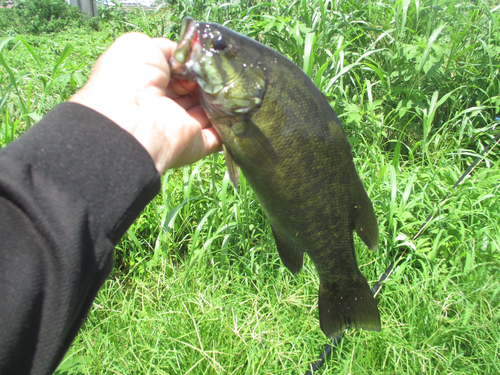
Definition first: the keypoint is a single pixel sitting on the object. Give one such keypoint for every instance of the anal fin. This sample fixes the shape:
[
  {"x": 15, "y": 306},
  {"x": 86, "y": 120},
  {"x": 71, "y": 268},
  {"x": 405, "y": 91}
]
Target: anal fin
[{"x": 366, "y": 222}]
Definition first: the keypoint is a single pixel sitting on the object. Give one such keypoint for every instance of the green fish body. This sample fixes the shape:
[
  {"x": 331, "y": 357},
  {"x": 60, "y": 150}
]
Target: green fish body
[{"x": 279, "y": 129}]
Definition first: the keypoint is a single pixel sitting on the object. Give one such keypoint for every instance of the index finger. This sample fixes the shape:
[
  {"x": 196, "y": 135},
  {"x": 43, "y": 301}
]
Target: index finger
[{"x": 166, "y": 46}]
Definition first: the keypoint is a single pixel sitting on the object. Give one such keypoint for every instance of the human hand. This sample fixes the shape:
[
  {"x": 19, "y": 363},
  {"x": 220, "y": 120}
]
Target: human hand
[{"x": 130, "y": 84}]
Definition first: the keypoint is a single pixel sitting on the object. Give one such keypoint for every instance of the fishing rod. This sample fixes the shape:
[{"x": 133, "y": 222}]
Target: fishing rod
[{"x": 328, "y": 350}]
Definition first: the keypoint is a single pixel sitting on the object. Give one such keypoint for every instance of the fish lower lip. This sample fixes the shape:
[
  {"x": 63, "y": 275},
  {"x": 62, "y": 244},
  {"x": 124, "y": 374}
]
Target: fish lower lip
[{"x": 183, "y": 51}]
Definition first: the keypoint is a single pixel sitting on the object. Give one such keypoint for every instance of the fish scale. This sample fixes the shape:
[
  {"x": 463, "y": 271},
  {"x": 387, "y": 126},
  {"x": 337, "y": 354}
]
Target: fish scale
[{"x": 279, "y": 129}]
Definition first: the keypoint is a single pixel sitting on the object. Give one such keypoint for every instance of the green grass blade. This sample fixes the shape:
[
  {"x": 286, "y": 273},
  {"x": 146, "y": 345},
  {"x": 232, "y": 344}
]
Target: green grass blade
[
  {"x": 309, "y": 57},
  {"x": 492, "y": 17},
  {"x": 62, "y": 58},
  {"x": 427, "y": 51},
  {"x": 32, "y": 52},
  {"x": 5, "y": 42}
]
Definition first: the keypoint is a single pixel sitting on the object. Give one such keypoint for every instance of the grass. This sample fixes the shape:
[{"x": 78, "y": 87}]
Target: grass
[{"x": 198, "y": 287}]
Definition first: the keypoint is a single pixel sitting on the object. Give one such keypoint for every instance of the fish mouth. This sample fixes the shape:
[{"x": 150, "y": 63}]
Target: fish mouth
[{"x": 199, "y": 57}]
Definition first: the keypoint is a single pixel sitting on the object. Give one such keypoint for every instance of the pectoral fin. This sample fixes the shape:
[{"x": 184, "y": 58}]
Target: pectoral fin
[
  {"x": 252, "y": 141},
  {"x": 366, "y": 222},
  {"x": 232, "y": 168},
  {"x": 291, "y": 257},
  {"x": 252, "y": 144}
]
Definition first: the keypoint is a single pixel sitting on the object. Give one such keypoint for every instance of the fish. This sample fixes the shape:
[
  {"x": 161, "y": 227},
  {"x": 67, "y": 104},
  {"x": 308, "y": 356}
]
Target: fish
[{"x": 280, "y": 131}]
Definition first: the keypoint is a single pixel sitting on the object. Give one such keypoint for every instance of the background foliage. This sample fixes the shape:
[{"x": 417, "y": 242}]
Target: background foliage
[
  {"x": 42, "y": 16},
  {"x": 198, "y": 286}
]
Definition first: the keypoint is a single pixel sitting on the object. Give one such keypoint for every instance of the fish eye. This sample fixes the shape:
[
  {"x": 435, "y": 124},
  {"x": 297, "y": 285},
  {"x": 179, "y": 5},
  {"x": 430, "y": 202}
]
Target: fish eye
[{"x": 219, "y": 44}]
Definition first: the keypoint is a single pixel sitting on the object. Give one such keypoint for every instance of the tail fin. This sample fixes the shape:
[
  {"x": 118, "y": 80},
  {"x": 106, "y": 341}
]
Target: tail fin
[{"x": 356, "y": 308}]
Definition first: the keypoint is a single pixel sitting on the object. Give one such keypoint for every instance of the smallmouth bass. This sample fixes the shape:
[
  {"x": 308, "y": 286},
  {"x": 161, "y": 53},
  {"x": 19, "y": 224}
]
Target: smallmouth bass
[{"x": 279, "y": 129}]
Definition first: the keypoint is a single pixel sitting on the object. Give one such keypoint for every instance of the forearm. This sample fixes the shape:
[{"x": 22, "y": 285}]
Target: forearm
[{"x": 69, "y": 189}]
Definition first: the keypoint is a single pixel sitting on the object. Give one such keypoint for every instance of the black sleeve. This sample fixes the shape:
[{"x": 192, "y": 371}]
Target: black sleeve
[{"x": 69, "y": 189}]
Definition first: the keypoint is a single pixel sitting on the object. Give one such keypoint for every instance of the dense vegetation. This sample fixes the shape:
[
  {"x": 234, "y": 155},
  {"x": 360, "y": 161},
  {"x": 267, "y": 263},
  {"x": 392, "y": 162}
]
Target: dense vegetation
[{"x": 198, "y": 287}]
